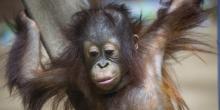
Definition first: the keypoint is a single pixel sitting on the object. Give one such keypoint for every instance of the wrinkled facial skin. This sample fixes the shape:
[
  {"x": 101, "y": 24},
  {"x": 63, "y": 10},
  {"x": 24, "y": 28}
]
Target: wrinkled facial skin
[{"x": 102, "y": 60}]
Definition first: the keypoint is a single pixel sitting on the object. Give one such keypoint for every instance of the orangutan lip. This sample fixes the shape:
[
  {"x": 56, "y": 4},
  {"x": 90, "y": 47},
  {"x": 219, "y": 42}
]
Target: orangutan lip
[{"x": 105, "y": 81}]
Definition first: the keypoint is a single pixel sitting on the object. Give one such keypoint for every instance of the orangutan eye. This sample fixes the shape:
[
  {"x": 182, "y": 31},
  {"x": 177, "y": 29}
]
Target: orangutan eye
[
  {"x": 110, "y": 50},
  {"x": 93, "y": 51},
  {"x": 93, "y": 54}
]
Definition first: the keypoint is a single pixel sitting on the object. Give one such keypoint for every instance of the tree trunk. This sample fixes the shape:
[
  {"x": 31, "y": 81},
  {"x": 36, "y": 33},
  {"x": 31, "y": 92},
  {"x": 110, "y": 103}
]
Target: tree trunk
[{"x": 51, "y": 16}]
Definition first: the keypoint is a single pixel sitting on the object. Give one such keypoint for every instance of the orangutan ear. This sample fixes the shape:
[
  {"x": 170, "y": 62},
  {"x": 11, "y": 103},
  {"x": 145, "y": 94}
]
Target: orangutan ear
[{"x": 136, "y": 39}]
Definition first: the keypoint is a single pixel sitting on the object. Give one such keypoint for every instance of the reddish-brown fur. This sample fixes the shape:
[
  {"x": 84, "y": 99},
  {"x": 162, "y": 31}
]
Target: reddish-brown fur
[{"x": 148, "y": 84}]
